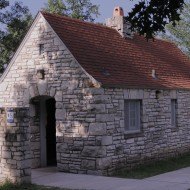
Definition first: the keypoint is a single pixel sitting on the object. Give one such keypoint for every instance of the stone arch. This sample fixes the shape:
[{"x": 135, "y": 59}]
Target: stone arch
[
  {"x": 39, "y": 122},
  {"x": 39, "y": 89}
]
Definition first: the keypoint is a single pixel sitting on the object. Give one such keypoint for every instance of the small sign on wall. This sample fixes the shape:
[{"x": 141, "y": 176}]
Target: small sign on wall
[{"x": 10, "y": 117}]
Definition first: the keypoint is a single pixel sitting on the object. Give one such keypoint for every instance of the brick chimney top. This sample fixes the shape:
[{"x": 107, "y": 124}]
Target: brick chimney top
[
  {"x": 118, "y": 11},
  {"x": 119, "y": 23}
]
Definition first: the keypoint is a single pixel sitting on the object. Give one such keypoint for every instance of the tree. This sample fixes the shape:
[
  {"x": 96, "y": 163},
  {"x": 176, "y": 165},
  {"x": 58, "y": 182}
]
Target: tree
[
  {"x": 80, "y": 9},
  {"x": 15, "y": 21},
  {"x": 180, "y": 34},
  {"x": 150, "y": 16},
  {"x": 56, "y": 7},
  {"x": 3, "y": 4}
]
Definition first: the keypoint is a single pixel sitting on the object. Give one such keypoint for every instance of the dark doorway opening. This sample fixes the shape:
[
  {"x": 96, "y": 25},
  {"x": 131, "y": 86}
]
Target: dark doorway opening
[{"x": 51, "y": 133}]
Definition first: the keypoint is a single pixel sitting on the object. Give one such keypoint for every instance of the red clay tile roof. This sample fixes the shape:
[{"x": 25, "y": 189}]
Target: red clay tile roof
[{"x": 122, "y": 63}]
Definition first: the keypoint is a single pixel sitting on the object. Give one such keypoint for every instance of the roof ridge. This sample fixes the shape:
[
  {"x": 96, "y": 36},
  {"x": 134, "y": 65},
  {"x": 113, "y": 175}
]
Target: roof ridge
[
  {"x": 75, "y": 19},
  {"x": 96, "y": 24}
]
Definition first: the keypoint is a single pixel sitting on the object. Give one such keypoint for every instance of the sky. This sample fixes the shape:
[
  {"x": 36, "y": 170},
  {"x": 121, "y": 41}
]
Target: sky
[{"x": 106, "y": 6}]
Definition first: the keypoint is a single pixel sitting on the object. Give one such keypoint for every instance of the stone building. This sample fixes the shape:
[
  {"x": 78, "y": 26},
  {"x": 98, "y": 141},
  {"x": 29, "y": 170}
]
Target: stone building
[{"x": 91, "y": 99}]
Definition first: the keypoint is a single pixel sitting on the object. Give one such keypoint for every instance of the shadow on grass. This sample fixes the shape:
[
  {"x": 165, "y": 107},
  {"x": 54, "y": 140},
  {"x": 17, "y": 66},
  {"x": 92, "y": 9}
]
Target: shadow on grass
[
  {"x": 11, "y": 186},
  {"x": 156, "y": 168}
]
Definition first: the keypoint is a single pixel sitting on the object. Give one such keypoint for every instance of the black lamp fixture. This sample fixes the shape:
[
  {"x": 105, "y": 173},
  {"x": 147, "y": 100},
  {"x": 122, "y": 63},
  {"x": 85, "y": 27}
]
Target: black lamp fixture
[{"x": 158, "y": 94}]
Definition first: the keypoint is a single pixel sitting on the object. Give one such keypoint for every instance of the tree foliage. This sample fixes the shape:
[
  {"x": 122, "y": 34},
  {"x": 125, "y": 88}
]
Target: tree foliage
[
  {"x": 15, "y": 21},
  {"x": 3, "y": 4},
  {"x": 180, "y": 34},
  {"x": 80, "y": 9},
  {"x": 150, "y": 16},
  {"x": 56, "y": 7}
]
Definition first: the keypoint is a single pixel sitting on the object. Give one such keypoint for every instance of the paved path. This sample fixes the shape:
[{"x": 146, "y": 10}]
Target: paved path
[{"x": 177, "y": 180}]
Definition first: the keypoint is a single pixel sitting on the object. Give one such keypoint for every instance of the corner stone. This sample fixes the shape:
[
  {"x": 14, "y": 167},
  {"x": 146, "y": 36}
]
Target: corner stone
[
  {"x": 88, "y": 164},
  {"x": 60, "y": 114},
  {"x": 97, "y": 129},
  {"x": 103, "y": 163},
  {"x": 94, "y": 151},
  {"x": 107, "y": 140}
]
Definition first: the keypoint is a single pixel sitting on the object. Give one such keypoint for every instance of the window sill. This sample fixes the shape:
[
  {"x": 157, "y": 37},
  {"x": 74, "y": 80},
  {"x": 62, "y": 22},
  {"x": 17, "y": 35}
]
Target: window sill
[
  {"x": 133, "y": 134},
  {"x": 174, "y": 128}
]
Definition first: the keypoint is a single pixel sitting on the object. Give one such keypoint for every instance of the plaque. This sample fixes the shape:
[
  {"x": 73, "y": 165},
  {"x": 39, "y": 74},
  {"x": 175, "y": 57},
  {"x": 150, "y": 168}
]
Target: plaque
[{"x": 10, "y": 117}]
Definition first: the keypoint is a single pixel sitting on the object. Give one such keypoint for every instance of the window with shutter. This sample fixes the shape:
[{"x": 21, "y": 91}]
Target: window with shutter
[
  {"x": 132, "y": 115},
  {"x": 173, "y": 112}
]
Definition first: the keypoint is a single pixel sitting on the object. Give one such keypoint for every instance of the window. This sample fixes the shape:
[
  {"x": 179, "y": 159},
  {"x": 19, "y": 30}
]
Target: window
[
  {"x": 173, "y": 112},
  {"x": 41, "y": 49},
  {"x": 132, "y": 116}
]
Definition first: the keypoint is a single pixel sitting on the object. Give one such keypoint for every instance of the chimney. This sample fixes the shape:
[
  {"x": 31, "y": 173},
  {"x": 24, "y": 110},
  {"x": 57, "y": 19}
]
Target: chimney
[{"x": 119, "y": 23}]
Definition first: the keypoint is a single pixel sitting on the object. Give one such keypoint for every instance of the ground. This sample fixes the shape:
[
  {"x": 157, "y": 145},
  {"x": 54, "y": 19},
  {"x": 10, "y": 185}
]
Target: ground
[{"x": 9, "y": 186}]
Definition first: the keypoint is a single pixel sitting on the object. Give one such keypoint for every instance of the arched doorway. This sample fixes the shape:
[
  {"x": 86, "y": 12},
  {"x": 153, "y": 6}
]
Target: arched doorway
[{"x": 43, "y": 132}]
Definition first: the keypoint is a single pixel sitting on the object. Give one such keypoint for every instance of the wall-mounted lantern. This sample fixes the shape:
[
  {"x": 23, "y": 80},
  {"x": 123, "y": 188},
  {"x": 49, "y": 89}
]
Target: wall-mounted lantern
[{"x": 158, "y": 94}]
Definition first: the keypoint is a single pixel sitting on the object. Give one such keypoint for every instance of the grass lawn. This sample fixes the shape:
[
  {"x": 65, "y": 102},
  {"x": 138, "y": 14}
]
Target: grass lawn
[
  {"x": 9, "y": 186},
  {"x": 156, "y": 168}
]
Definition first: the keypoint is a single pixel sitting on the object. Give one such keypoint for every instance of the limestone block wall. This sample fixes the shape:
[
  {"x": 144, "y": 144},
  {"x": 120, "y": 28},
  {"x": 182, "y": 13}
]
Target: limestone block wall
[
  {"x": 157, "y": 140},
  {"x": 77, "y": 148},
  {"x": 65, "y": 81},
  {"x": 35, "y": 135},
  {"x": 105, "y": 145},
  {"x": 14, "y": 147}
]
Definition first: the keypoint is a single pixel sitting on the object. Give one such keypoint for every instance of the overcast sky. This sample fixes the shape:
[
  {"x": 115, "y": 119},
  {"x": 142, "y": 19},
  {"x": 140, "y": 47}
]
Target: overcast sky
[{"x": 106, "y": 6}]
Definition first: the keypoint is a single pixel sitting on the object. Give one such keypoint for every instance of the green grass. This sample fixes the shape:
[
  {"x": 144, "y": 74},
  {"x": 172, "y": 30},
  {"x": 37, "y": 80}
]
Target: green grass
[
  {"x": 156, "y": 168},
  {"x": 10, "y": 186}
]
